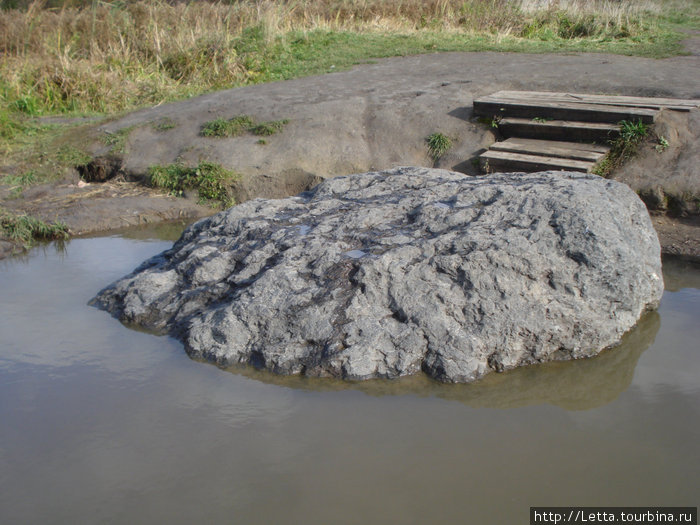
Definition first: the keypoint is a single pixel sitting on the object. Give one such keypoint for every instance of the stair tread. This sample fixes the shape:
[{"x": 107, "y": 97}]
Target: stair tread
[
  {"x": 574, "y": 105},
  {"x": 611, "y": 100},
  {"x": 558, "y": 123},
  {"x": 558, "y": 130},
  {"x": 591, "y": 112},
  {"x": 551, "y": 148},
  {"x": 537, "y": 161}
]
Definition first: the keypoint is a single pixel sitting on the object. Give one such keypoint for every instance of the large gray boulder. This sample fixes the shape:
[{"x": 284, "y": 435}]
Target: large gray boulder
[{"x": 390, "y": 273}]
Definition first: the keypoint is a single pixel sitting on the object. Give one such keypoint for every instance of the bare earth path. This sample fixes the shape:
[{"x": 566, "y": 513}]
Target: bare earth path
[{"x": 373, "y": 116}]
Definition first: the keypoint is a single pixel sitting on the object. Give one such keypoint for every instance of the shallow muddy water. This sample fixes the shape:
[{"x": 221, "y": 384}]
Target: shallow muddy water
[{"x": 101, "y": 423}]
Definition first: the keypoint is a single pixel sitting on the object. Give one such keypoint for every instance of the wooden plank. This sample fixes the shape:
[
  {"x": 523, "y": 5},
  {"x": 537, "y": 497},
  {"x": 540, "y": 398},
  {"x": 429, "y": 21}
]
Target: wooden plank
[
  {"x": 503, "y": 160},
  {"x": 549, "y": 148},
  {"x": 583, "y": 146},
  {"x": 562, "y": 130},
  {"x": 613, "y": 100},
  {"x": 494, "y": 107},
  {"x": 620, "y": 106}
]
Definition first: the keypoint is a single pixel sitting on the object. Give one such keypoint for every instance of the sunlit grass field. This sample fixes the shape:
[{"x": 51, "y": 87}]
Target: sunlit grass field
[{"x": 105, "y": 57}]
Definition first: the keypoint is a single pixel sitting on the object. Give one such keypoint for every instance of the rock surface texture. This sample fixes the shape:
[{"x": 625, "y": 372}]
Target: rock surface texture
[{"x": 389, "y": 273}]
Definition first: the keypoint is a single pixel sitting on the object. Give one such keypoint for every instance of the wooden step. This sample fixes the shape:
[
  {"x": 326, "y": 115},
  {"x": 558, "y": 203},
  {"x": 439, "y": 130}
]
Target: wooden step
[
  {"x": 677, "y": 104},
  {"x": 504, "y": 161},
  {"x": 496, "y": 107},
  {"x": 553, "y": 148},
  {"x": 563, "y": 130}
]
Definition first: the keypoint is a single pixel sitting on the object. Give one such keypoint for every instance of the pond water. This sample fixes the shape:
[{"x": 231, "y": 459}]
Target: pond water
[{"x": 101, "y": 423}]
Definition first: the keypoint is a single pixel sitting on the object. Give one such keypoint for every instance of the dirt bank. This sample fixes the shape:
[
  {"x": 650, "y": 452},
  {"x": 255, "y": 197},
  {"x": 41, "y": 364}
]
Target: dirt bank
[{"x": 374, "y": 116}]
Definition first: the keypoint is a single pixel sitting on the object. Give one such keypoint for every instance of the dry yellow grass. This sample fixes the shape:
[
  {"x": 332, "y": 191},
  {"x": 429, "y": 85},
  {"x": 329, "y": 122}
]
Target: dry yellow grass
[{"x": 108, "y": 57}]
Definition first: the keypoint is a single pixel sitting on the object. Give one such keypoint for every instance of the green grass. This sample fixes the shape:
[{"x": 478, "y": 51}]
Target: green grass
[
  {"x": 438, "y": 145},
  {"x": 321, "y": 51},
  {"x": 44, "y": 150},
  {"x": 11, "y": 126},
  {"x": 117, "y": 140},
  {"x": 622, "y": 148},
  {"x": 221, "y": 128},
  {"x": 662, "y": 144},
  {"x": 18, "y": 183},
  {"x": 164, "y": 124},
  {"x": 236, "y": 126},
  {"x": 211, "y": 180},
  {"x": 633, "y": 132},
  {"x": 271, "y": 127},
  {"x": 69, "y": 155},
  {"x": 22, "y": 180},
  {"x": 26, "y": 229}
]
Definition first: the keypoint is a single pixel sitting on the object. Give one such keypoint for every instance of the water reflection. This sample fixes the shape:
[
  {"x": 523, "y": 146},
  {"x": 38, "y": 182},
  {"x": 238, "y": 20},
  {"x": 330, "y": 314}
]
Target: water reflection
[
  {"x": 163, "y": 231},
  {"x": 680, "y": 273},
  {"x": 573, "y": 385},
  {"x": 57, "y": 248}
]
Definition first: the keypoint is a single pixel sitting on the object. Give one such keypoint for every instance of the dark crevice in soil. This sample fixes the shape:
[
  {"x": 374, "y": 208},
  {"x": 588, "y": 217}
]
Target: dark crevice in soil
[{"x": 101, "y": 169}]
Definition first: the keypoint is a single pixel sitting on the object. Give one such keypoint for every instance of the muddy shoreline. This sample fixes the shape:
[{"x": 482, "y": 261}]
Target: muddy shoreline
[{"x": 115, "y": 206}]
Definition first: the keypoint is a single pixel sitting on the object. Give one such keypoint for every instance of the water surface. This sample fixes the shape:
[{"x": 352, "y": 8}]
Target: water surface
[{"x": 100, "y": 423}]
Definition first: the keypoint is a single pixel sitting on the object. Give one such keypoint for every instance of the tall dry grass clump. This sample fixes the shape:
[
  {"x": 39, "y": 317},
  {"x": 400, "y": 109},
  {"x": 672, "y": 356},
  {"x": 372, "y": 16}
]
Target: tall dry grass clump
[
  {"x": 588, "y": 18},
  {"x": 106, "y": 58},
  {"x": 102, "y": 56}
]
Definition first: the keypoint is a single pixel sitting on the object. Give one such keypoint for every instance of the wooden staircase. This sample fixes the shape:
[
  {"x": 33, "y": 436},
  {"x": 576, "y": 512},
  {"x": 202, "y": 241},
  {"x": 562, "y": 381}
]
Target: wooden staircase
[{"x": 561, "y": 131}]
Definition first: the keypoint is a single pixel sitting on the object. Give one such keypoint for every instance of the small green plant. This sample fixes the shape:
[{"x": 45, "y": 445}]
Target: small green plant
[
  {"x": 540, "y": 120},
  {"x": 18, "y": 183},
  {"x": 227, "y": 128},
  {"x": 239, "y": 125},
  {"x": 438, "y": 145},
  {"x": 604, "y": 167},
  {"x": 633, "y": 132},
  {"x": 23, "y": 179},
  {"x": 26, "y": 229},
  {"x": 662, "y": 144},
  {"x": 211, "y": 180},
  {"x": 71, "y": 156},
  {"x": 242, "y": 122},
  {"x": 117, "y": 140},
  {"x": 491, "y": 122},
  {"x": 623, "y": 147},
  {"x": 164, "y": 124},
  {"x": 268, "y": 128},
  {"x": 39, "y": 153},
  {"x": 27, "y": 104},
  {"x": 262, "y": 142}
]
